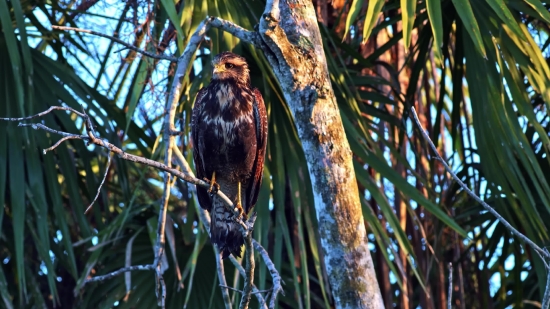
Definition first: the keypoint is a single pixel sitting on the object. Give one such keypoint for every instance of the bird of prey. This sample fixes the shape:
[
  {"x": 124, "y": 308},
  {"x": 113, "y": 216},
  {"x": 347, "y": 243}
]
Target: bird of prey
[{"x": 229, "y": 134}]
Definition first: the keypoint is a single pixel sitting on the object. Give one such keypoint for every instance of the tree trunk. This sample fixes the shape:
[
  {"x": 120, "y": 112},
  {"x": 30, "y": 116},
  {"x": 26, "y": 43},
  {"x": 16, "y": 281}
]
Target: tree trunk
[{"x": 293, "y": 46}]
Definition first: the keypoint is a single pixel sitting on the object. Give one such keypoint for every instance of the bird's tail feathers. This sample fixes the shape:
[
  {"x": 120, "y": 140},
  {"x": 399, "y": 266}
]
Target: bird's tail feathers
[{"x": 226, "y": 234}]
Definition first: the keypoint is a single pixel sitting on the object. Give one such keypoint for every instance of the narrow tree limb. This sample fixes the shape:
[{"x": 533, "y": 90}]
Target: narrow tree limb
[
  {"x": 247, "y": 36},
  {"x": 277, "y": 287},
  {"x": 59, "y": 143},
  {"x": 221, "y": 277},
  {"x": 450, "y": 294},
  {"x": 543, "y": 253},
  {"x": 49, "y": 110},
  {"x": 255, "y": 290},
  {"x": 38, "y": 126},
  {"x": 161, "y": 225},
  {"x": 91, "y": 138},
  {"x": 249, "y": 257},
  {"x": 102, "y": 181},
  {"x": 546, "y": 296},
  {"x": 239, "y": 291},
  {"x": 169, "y": 139},
  {"x": 119, "y": 41},
  {"x": 119, "y": 272}
]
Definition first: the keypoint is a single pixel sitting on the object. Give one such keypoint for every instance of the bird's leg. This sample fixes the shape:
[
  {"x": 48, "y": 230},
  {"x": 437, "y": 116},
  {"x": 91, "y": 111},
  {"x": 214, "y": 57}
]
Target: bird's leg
[
  {"x": 238, "y": 203},
  {"x": 214, "y": 187}
]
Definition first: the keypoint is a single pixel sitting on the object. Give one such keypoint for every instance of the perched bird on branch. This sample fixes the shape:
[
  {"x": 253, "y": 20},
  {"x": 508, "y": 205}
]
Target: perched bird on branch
[{"x": 229, "y": 133}]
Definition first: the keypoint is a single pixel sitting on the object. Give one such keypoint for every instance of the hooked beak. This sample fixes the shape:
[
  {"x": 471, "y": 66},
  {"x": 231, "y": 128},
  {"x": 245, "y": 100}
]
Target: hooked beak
[{"x": 218, "y": 68}]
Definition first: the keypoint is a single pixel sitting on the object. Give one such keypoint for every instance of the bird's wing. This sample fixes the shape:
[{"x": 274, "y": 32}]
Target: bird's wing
[
  {"x": 260, "y": 118},
  {"x": 202, "y": 194}
]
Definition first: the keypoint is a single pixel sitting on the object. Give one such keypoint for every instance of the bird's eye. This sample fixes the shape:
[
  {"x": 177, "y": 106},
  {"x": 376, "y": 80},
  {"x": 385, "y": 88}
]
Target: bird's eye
[{"x": 229, "y": 66}]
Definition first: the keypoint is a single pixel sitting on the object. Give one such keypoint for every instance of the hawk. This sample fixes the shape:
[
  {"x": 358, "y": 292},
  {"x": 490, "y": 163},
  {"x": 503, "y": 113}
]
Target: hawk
[{"x": 229, "y": 134}]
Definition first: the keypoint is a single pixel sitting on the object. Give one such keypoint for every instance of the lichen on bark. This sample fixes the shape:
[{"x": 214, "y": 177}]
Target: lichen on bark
[{"x": 293, "y": 46}]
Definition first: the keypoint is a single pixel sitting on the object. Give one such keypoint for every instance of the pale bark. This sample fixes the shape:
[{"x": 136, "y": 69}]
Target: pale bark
[{"x": 292, "y": 44}]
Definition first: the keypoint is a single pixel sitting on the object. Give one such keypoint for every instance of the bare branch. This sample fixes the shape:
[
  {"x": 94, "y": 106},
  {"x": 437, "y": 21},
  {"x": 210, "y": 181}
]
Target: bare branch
[
  {"x": 225, "y": 287},
  {"x": 160, "y": 243},
  {"x": 277, "y": 288},
  {"x": 239, "y": 291},
  {"x": 221, "y": 277},
  {"x": 182, "y": 163},
  {"x": 490, "y": 209},
  {"x": 64, "y": 108},
  {"x": 546, "y": 296},
  {"x": 37, "y": 126},
  {"x": 119, "y": 272},
  {"x": 247, "y": 36},
  {"x": 61, "y": 141},
  {"x": 450, "y": 295},
  {"x": 119, "y": 41},
  {"x": 91, "y": 138},
  {"x": 543, "y": 253},
  {"x": 102, "y": 181},
  {"x": 249, "y": 257},
  {"x": 255, "y": 290}
]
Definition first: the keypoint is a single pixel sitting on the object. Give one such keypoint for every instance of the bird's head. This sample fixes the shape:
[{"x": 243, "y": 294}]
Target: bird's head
[{"x": 228, "y": 66}]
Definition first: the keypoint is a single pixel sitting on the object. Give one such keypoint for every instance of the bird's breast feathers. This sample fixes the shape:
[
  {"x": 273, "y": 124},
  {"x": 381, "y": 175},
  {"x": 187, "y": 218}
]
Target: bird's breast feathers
[{"x": 228, "y": 114}]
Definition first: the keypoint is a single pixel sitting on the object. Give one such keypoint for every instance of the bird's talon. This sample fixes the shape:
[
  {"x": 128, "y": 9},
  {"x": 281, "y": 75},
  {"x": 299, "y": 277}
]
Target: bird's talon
[
  {"x": 214, "y": 187},
  {"x": 238, "y": 203}
]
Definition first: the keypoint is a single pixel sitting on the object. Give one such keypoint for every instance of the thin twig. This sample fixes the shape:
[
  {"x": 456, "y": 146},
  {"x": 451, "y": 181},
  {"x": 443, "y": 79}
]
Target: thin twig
[
  {"x": 37, "y": 126},
  {"x": 277, "y": 287},
  {"x": 102, "y": 181},
  {"x": 59, "y": 143},
  {"x": 249, "y": 257},
  {"x": 64, "y": 108},
  {"x": 221, "y": 277},
  {"x": 239, "y": 291},
  {"x": 242, "y": 271},
  {"x": 119, "y": 272},
  {"x": 544, "y": 255},
  {"x": 119, "y": 41},
  {"x": 450, "y": 295},
  {"x": 225, "y": 287},
  {"x": 160, "y": 243},
  {"x": 546, "y": 296}
]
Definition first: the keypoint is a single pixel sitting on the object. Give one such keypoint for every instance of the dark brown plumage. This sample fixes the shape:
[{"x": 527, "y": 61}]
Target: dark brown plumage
[{"x": 229, "y": 132}]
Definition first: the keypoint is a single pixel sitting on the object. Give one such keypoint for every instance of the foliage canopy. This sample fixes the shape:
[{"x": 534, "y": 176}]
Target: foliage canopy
[{"x": 477, "y": 72}]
